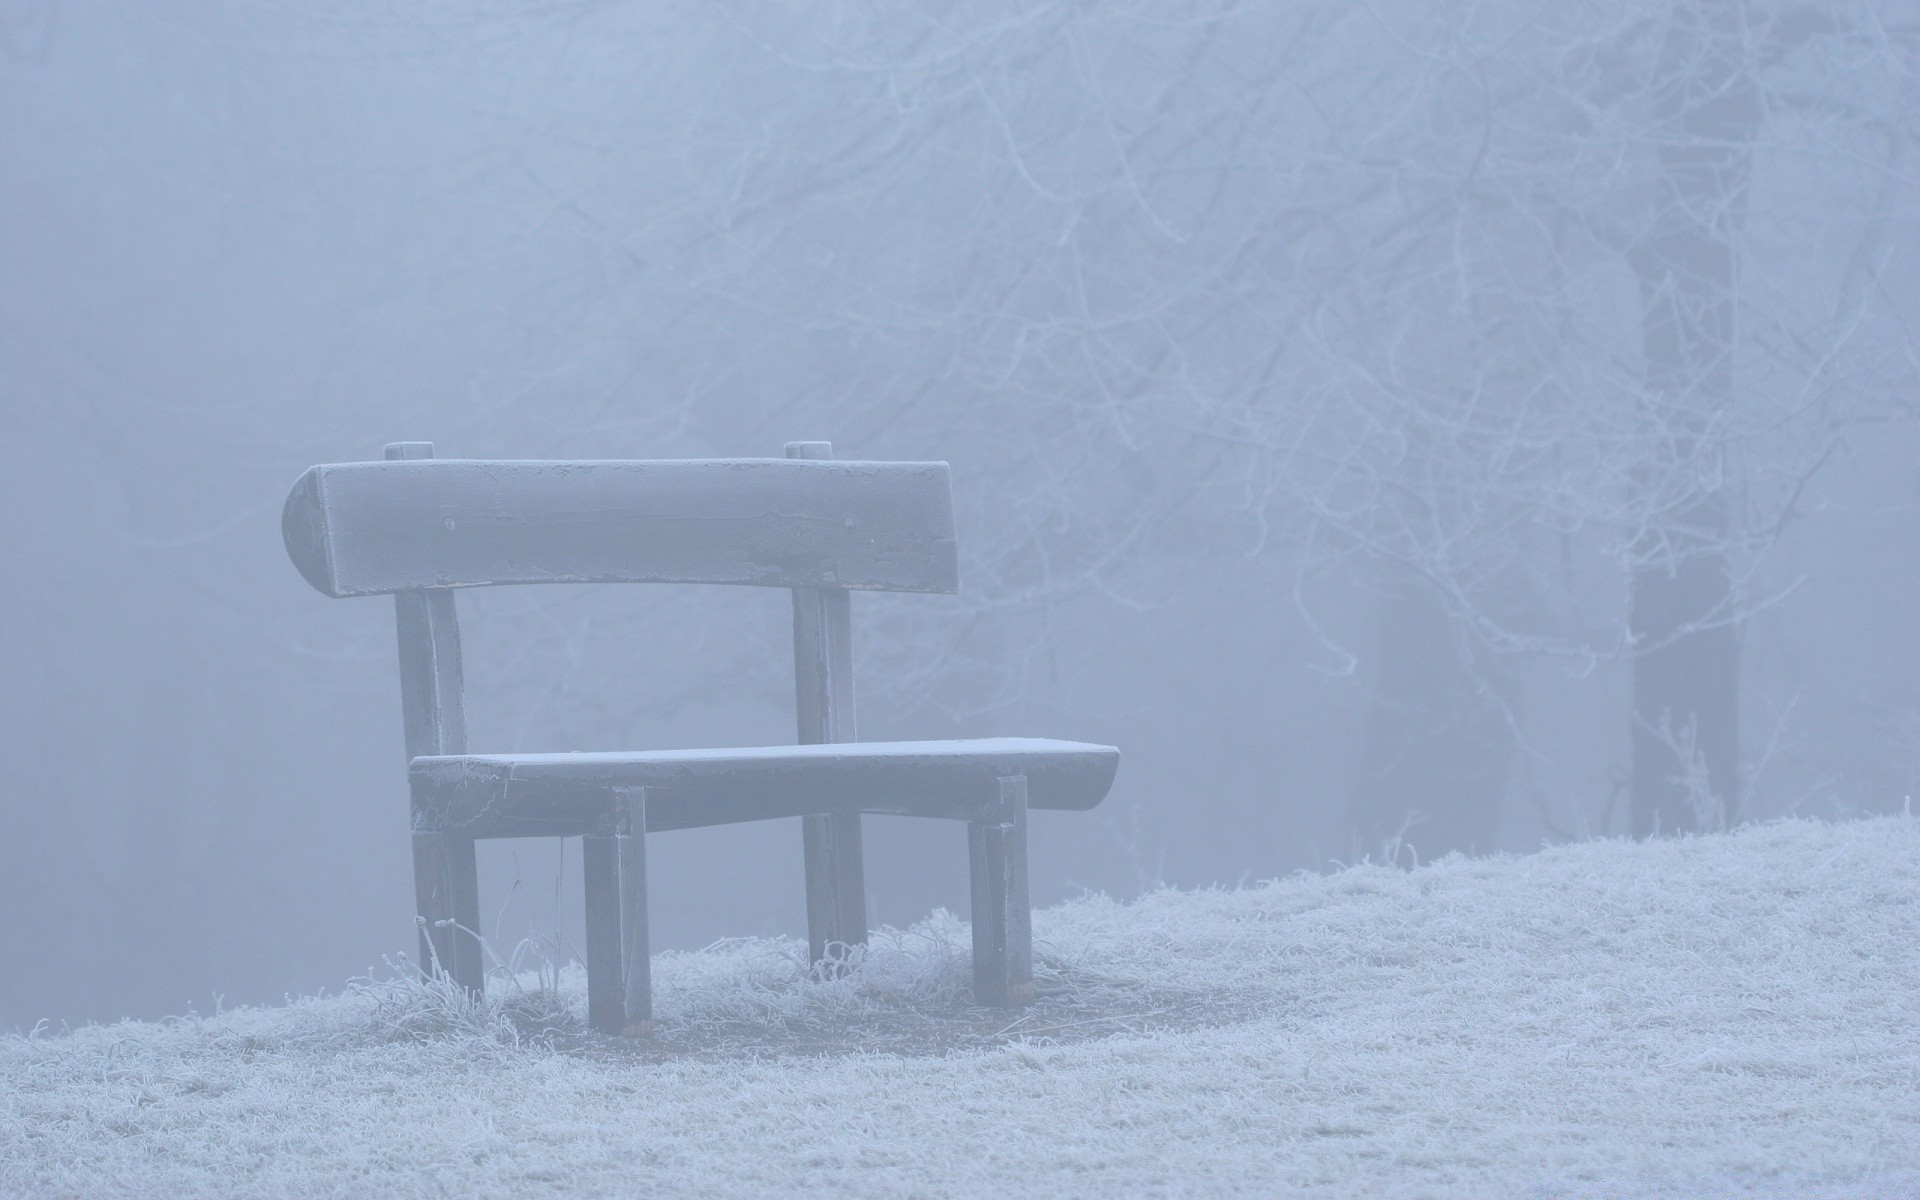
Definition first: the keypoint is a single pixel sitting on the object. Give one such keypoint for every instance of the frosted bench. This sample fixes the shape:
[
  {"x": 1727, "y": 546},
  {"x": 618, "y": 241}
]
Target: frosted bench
[{"x": 417, "y": 528}]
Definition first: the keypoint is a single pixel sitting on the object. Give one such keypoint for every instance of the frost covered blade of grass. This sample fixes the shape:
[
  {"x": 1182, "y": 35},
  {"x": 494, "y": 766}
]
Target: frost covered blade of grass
[{"x": 1733, "y": 1015}]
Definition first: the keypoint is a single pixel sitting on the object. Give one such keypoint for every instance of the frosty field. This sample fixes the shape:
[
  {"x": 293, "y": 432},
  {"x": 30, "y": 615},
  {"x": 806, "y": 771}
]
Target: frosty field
[{"x": 1726, "y": 1015}]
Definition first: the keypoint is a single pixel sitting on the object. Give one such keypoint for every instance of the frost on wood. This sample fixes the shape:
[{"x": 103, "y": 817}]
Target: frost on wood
[{"x": 1726, "y": 1015}]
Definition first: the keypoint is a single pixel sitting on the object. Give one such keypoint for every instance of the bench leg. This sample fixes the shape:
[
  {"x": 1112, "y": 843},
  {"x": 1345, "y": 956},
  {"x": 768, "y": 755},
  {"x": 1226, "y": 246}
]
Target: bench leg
[
  {"x": 619, "y": 965},
  {"x": 1002, "y": 916},
  {"x": 636, "y": 951},
  {"x": 447, "y": 892},
  {"x": 600, "y": 869},
  {"x": 836, "y": 883}
]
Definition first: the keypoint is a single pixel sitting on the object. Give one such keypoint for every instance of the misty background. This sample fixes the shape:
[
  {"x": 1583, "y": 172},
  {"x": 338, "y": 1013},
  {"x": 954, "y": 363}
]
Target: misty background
[{"x": 1400, "y": 427}]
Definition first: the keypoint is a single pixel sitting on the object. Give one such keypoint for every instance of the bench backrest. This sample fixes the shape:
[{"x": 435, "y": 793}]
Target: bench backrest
[
  {"x": 417, "y": 527},
  {"x": 362, "y": 529}
]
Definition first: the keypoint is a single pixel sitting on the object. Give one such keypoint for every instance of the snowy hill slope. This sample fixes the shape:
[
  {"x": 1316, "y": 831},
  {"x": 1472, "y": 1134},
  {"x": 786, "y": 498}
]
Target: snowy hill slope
[{"x": 1729, "y": 1015}]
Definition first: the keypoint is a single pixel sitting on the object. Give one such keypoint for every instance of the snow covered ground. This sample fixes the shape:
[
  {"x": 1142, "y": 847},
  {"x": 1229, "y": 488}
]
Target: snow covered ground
[{"x": 1729, "y": 1015}]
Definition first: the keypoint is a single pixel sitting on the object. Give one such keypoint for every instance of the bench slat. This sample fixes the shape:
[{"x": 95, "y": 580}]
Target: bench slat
[
  {"x": 358, "y": 529},
  {"x": 565, "y": 795}
]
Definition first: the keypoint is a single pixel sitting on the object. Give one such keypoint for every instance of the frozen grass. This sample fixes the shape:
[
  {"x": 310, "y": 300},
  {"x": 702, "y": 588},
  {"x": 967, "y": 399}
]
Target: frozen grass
[{"x": 1735, "y": 1015}]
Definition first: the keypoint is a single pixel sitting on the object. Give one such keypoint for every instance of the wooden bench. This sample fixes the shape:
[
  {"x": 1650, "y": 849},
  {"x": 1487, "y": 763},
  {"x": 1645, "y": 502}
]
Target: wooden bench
[{"x": 417, "y": 527}]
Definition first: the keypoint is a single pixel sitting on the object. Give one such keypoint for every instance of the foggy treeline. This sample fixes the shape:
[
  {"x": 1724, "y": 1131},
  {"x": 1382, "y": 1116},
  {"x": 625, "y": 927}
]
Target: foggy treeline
[{"x": 1401, "y": 427}]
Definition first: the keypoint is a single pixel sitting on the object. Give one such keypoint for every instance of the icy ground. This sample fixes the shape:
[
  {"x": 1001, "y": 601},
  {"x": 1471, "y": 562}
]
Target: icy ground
[{"x": 1730, "y": 1015}]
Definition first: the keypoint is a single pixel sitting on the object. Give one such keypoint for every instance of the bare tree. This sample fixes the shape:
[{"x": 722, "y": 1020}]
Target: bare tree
[{"x": 1516, "y": 299}]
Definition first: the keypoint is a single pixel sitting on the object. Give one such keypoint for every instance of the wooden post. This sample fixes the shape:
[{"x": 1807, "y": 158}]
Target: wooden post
[
  {"x": 823, "y": 686},
  {"x": 636, "y": 954},
  {"x": 619, "y": 963},
  {"x": 433, "y": 711},
  {"x": 600, "y": 871},
  {"x": 1002, "y": 914}
]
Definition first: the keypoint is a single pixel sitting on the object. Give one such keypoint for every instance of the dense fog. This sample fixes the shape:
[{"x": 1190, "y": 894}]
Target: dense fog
[{"x": 1400, "y": 428}]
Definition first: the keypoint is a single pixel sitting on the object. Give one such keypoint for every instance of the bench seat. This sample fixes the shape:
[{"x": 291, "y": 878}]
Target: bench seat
[{"x": 569, "y": 795}]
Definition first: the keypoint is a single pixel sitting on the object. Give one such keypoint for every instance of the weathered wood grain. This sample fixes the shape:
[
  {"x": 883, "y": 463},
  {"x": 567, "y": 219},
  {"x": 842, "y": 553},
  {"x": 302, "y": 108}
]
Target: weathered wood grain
[
  {"x": 636, "y": 955},
  {"x": 447, "y": 900},
  {"x": 606, "y": 988},
  {"x": 619, "y": 966},
  {"x": 1002, "y": 915},
  {"x": 566, "y": 795},
  {"x": 824, "y": 708},
  {"x": 356, "y": 529},
  {"x": 433, "y": 717}
]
